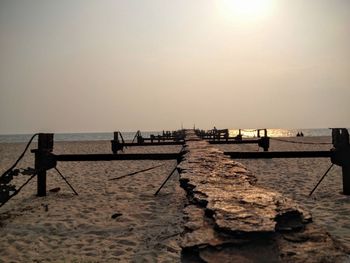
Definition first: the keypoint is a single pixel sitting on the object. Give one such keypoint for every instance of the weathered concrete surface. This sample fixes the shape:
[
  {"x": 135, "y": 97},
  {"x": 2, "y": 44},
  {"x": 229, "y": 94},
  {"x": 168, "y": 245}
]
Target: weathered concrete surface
[{"x": 229, "y": 219}]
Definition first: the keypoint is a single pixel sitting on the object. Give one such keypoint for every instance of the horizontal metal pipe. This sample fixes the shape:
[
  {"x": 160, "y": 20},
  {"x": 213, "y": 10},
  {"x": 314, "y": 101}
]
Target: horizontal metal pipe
[
  {"x": 155, "y": 143},
  {"x": 114, "y": 157},
  {"x": 289, "y": 154},
  {"x": 160, "y": 138},
  {"x": 235, "y": 142}
]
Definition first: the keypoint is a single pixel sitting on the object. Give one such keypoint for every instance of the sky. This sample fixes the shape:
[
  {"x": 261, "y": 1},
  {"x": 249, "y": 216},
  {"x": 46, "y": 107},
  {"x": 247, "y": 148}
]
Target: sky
[{"x": 105, "y": 65}]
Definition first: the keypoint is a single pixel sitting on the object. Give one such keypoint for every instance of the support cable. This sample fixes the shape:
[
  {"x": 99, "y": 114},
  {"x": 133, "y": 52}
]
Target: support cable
[
  {"x": 20, "y": 157},
  {"x": 71, "y": 187},
  {"x": 312, "y": 143},
  {"x": 156, "y": 193},
  {"x": 321, "y": 179},
  {"x": 133, "y": 173},
  {"x": 18, "y": 190}
]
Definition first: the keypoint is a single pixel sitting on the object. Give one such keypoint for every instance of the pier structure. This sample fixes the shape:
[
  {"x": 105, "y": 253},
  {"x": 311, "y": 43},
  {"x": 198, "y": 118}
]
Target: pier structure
[
  {"x": 167, "y": 138},
  {"x": 232, "y": 219},
  {"x": 45, "y": 159},
  {"x": 222, "y": 136},
  {"x": 339, "y": 155},
  {"x": 228, "y": 216}
]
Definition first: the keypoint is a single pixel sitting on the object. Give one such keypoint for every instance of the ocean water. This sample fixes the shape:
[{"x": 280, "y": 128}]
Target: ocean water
[
  {"x": 10, "y": 138},
  {"x": 99, "y": 136}
]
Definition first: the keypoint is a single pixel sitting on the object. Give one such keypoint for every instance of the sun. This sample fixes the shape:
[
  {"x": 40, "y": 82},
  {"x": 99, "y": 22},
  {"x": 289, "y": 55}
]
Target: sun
[{"x": 245, "y": 10}]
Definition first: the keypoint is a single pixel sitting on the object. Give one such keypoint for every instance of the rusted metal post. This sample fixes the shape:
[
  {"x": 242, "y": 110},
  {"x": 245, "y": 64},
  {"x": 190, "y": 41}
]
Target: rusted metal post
[
  {"x": 346, "y": 179},
  {"x": 239, "y": 136},
  {"x": 45, "y": 146},
  {"x": 341, "y": 155},
  {"x": 115, "y": 142},
  {"x": 140, "y": 139},
  {"x": 264, "y": 142}
]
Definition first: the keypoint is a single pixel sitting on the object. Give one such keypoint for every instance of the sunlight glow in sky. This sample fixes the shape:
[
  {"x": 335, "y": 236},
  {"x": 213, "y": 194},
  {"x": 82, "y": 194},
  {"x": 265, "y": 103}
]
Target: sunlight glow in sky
[
  {"x": 245, "y": 10},
  {"x": 105, "y": 65}
]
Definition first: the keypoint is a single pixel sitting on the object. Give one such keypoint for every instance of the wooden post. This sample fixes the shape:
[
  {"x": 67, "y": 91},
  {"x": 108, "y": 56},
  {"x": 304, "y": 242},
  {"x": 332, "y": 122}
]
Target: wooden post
[{"x": 45, "y": 146}]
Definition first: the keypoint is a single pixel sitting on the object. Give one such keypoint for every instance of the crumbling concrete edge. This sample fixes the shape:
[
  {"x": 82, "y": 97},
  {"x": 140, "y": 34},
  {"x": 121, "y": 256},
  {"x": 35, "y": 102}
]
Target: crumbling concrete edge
[{"x": 230, "y": 218}]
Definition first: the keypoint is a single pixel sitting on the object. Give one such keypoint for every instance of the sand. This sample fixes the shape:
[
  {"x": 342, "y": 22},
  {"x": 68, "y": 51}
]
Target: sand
[
  {"x": 62, "y": 227},
  {"x": 296, "y": 178}
]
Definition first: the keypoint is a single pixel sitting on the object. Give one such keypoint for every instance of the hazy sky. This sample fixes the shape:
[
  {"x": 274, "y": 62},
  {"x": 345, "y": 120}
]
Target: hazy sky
[{"x": 104, "y": 65}]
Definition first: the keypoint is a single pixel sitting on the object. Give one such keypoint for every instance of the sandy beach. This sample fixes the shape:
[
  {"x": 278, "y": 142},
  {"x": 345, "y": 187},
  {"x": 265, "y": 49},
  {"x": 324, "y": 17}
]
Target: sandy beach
[
  {"x": 121, "y": 220},
  {"x": 62, "y": 227}
]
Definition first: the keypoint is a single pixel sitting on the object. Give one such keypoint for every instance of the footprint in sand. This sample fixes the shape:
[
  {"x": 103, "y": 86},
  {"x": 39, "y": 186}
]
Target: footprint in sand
[
  {"x": 118, "y": 253},
  {"x": 126, "y": 242}
]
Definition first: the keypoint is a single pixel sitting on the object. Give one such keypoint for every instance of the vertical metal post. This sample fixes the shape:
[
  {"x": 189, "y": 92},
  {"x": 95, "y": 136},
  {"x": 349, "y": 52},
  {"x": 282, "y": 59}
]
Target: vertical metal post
[
  {"x": 115, "y": 142},
  {"x": 41, "y": 183},
  {"x": 341, "y": 155},
  {"x": 346, "y": 179},
  {"x": 116, "y": 136},
  {"x": 239, "y": 136},
  {"x": 45, "y": 145},
  {"x": 264, "y": 142}
]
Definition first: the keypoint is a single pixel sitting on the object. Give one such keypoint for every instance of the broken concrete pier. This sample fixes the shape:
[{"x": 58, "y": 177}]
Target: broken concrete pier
[{"x": 230, "y": 219}]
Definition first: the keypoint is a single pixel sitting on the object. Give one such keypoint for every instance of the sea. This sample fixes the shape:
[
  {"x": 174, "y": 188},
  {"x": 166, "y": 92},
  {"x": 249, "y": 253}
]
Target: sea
[{"x": 249, "y": 133}]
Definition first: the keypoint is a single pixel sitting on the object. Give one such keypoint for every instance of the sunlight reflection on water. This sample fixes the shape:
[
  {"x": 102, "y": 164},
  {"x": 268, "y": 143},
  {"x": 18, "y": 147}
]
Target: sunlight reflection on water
[{"x": 251, "y": 133}]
